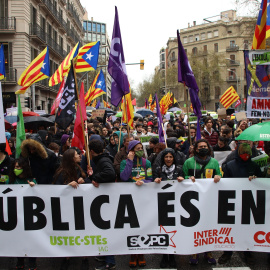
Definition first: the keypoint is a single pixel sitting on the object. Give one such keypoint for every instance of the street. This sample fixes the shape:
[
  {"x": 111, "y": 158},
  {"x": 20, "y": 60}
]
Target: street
[{"x": 152, "y": 261}]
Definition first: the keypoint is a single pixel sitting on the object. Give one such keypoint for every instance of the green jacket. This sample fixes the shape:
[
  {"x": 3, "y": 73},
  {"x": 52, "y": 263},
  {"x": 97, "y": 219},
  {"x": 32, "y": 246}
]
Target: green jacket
[
  {"x": 210, "y": 170},
  {"x": 23, "y": 181}
]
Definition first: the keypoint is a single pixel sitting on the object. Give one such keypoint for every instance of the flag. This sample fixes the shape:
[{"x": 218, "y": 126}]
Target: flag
[
  {"x": 229, "y": 97},
  {"x": 2, "y": 63},
  {"x": 58, "y": 98},
  {"x": 20, "y": 133},
  {"x": 97, "y": 88},
  {"x": 38, "y": 70},
  {"x": 117, "y": 66},
  {"x": 150, "y": 99},
  {"x": 98, "y": 104},
  {"x": 160, "y": 122},
  {"x": 146, "y": 104},
  {"x": 262, "y": 29},
  {"x": 153, "y": 104},
  {"x": 106, "y": 104},
  {"x": 186, "y": 76},
  {"x": 128, "y": 111},
  {"x": 87, "y": 57},
  {"x": 7, "y": 149},
  {"x": 66, "y": 109},
  {"x": 63, "y": 69},
  {"x": 238, "y": 102},
  {"x": 94, "y": 104},
  {"x": 78, "y": 136},
  {"x": 133, "y": 102}
]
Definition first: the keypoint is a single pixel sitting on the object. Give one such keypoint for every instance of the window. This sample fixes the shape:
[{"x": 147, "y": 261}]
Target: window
[
  {"x": 34, "y": 53},
  {"x": 94, "y": 27},
  {"x": 49, "y": 30},
  {"x": 232, "y": 43},
  {"x": 216, "y": 47},
  {"x": 194, "y": 51},
  {"x": 217, "y": 91},
  {"x": 190, "y": 38},
  {"x": 61, "y": 42},
  {"x": 33, "y": 15},
  {"x": 89, "y": 37},
  {"x": 89, "y": 24},
  {"x": 55, "y": 35},
  {"x": 8, "y": 55},
  {"x": 216, "y": 33},
  {"x": 98, "y": 28},
  {"x": 43, "y": 23},
  {"x": 98, "y": 37},
  {"x": 68, "y": 48},
  {"x": 197, "y": 37},
  {"x": 162, "y": 57},
  {"x": 245, "y": 44},
  {"x": 103, "y": 30},
  {"x": 85, "y": 26},
  {"x": 232, "y": 57},
  {"x": 94, "y": 37},
  {"x": 232, "y": 73},
  {"x": 185, "y": 40},
  {"x": 173, "y": 56},
  {"x": 103, "y": 50},
  {"x": 203, "y": 36},
  {"x": 205, "y": 48},
  {"x": 209, "y": 35},
  {"x": 103, "y": 39},
  {"x": 186, "y": 51},
  {"x": 229, "y": 31}
]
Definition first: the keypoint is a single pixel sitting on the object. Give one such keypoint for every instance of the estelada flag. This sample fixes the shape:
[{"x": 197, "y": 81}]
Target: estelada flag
[
  {"x": 38, "y": 70},
  {"x": 63, "y": 69},
  {"x": 229, "y": 97},
  {"x": 262, "y": 29},
  {"x": 87, "y": 57}
]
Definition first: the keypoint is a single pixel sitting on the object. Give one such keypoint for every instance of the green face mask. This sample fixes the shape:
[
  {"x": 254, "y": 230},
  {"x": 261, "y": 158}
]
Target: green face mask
[
  {"x": 18, "y": 171},
  {"x": 139, "y": 153}
]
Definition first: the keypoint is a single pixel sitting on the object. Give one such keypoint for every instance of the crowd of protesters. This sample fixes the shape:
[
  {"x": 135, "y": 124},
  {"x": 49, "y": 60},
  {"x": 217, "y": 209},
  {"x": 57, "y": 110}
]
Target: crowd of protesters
[{"x": 117, "y": 155}]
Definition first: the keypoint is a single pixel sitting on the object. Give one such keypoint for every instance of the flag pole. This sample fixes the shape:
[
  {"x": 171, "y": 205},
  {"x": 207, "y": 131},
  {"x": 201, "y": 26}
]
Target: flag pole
[
  {"x": 120, "y": 133},
  {"x": 127, "y": 115},
  {"x": 79, "y": 107},
  {"x": 190, "y": 142}
]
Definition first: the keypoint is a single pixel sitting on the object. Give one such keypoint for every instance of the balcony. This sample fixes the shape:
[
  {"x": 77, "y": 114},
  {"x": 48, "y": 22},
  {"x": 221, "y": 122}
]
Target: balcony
[
  {"x": 37, "y": 33},
  {"x": 231, "y": 79},
  {"x": 11, "y": 76},
  {"x": 232, "y": 48},
  {"x": 234, "y": 63},
  {"x": 73, "y": 36},
  {"x": 55, "y": 46},
  {"x": 44, "y": 85},
  {"x": 7, "y": 25},
  {"x": 73, "y": 13},
  {"x": 49, "y": 7},
  {"x": 172, "y": 59}
]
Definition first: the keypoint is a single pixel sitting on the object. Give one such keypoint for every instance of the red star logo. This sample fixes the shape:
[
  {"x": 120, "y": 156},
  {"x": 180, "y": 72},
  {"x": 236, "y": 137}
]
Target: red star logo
[{"x": 173, "y": 232}]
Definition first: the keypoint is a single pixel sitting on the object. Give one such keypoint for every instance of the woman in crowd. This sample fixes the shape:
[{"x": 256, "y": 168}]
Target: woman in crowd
[
  {"x": 136, "y": 169},
  {"x": 65, "y": 143},
  {"x": 168, "y": 170}
]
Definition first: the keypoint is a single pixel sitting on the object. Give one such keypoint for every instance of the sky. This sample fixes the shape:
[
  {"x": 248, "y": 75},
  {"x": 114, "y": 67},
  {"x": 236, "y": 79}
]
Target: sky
[{"x": 146, "y": 26}]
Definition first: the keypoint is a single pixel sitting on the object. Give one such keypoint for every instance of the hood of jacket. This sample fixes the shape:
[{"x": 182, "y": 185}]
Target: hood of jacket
[{"x": 40, "y": 149}]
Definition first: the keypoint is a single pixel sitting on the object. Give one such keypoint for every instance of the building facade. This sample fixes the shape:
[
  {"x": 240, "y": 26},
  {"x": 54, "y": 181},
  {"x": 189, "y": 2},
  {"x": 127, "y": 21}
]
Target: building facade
[
  {"x": 97, "y": 31},
  {"x": 215, "y": 52},
  {"x": 26, "y": 28}
]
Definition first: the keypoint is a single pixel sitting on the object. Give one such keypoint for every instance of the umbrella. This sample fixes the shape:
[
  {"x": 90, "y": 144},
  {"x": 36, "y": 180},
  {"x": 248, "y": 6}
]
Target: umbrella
[
  {"x": 33, "y": 122},
  {"x": 11, "y": 118},
  {"x": 7, "y": 125},
  {"x": 258, "y": 132},
  {"x": 110, "y": 111},
  {"x": 174, "y": 109},
  {"x": 25, "y": 114},
  {"x": 145, "y": 112}
]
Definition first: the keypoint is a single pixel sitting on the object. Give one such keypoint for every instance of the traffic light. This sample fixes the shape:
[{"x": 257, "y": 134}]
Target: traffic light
[
  {"x": 27, "y": 102},
  {"x": 142, "y": 65}
]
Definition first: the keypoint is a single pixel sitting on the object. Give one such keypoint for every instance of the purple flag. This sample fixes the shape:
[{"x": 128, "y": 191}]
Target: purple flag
[
  {"x": 160, "y": 122},
  {"x": 117, "y": 66},
  {"x": 146, "y": 104},
  {"x": 98, "y": 104},
  {"x": 186, "y": 76}
]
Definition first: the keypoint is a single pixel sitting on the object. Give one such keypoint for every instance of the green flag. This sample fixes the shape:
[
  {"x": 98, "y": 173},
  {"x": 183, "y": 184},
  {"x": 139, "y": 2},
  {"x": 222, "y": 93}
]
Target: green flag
[{"x": 20, "y": 135}]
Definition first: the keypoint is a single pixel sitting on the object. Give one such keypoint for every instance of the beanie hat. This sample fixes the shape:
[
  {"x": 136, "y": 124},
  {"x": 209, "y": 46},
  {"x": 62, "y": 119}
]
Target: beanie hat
[
  {"x": 64, "y": 138},
  {"x": 132, "y": 144}
]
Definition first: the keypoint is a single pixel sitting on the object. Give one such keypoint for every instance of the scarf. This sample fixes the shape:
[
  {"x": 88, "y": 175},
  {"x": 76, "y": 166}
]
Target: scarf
[
  {"x": 202, "y": 161},
  {"x": 169, "y": 171}
]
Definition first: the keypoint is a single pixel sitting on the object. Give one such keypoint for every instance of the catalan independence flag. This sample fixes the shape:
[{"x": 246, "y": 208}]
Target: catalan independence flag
[
  {"x": 97, "y": 88},
  {"x": 87, "y": 57},
  {"x": 38, "y": 70},
  {"x": 229, "y": 97},
  {"x": 2, "y": 63},
  {"x": 262, "y": 29},
  {"x": 63, "y": 69}
]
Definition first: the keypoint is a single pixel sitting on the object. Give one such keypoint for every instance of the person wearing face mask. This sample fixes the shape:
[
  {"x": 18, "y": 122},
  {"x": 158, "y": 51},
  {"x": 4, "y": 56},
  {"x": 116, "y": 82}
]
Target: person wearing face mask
[
  {"x": 241, "y": 167},
  {"x": 136, "y": 169},
  {"x": 202, "y": 165},
  {"x": 21, "y": 174}
]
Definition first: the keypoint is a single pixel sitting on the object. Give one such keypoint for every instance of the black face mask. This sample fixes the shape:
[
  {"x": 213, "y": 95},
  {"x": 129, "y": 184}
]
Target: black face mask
[{"x": 203, "y": 152}]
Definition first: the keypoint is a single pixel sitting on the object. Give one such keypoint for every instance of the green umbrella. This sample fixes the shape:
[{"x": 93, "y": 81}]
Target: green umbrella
[{"x": 258, "y": 132}]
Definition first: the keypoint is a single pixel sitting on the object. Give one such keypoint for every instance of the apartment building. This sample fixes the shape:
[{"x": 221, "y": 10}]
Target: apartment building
[
  {"x": 215, "y": 52},
  {"x": 26, "y": 28}
]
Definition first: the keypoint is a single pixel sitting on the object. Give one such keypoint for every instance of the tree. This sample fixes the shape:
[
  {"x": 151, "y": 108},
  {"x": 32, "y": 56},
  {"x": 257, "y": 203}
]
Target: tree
[{"x": 251, "y": 7}]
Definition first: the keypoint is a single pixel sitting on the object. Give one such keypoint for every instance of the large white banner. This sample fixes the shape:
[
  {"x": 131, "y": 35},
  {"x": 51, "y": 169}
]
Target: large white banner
[{"x": 122, "y": 218}]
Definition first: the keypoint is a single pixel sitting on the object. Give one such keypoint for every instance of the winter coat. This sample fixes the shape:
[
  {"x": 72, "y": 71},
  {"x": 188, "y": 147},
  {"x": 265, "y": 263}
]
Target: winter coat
[
  {"x": 5, "y": 168},
  {"x": 211, "y": 138},
  {"x": 43, "y": 163}
]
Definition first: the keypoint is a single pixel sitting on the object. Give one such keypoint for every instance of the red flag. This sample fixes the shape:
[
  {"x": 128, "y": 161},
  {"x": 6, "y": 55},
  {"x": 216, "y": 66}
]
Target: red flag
[
  {"x": 238, "y": 102},
  {"x": 8, "y": 150},
  {"x": 78, "y": 136},
  {"x": 133, "y": 102},
  {"x": 58, "y": 98}
]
